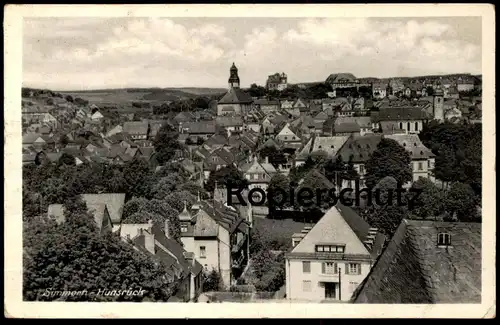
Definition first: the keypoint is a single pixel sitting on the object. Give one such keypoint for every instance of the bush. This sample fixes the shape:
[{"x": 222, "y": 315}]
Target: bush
[{"x": 212, "y": 281}]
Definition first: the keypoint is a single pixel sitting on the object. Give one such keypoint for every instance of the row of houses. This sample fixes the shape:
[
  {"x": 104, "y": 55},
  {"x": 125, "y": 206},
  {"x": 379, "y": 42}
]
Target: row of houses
[
  {"x": 213, "y": 237},
  {"x": 342, "y": 258}
]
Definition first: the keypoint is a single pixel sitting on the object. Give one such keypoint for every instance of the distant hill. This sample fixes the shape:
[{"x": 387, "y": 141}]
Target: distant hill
[{"x": 128, "y": 95}]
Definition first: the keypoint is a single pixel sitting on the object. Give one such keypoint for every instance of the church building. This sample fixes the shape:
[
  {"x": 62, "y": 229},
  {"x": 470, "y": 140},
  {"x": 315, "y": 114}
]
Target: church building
[{"x": 235, "y": 101}]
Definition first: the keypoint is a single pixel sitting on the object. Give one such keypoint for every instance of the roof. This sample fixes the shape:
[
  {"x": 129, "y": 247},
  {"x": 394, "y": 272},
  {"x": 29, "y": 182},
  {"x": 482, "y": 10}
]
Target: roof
[
  {"x": 359, "y": 148},
  {"x": 266, "y": 102},
  {"x": 396, "y": 113},
  {"x": 412, "y": 143},
  {"x": 339, "y": 225},
  {"x": 226, "y": 217},
  {"x": 331, "y": 145},
  {"x": 168, "y": 250},
  {"x": 348, "y": 127},
  {"x": 414, "y": 269},
  {"x": 29, "y": 138},
  {"x": 113, "y": 201},
  {"x": 227, "y": 121},
  {"x": 236, "y": 96},
  {"x": 206, "y": 127},
  {"x": 337, "y": 77},
  {"x": 136, "y": 127}
]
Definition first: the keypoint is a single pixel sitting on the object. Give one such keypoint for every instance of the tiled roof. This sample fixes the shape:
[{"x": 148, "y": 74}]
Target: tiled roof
[
  {"x": 113, "y": 201},
  {"x": 340, "y": 225},
  {"x": 228, "y": 218},
  {"x": 412, "y": 143},
  {"x": 401, "y": 113},
  {"x": 206, "y": 127},
  {"x": 359, "y": 148},
  {"x": 414, "y": 269},
  {"x": 136, "y": 128},
  {"x": 236, "y": 96},
  {"x": 330, "y": 145},
  {"x": 347, "y": 127},
  {"x": 227, "y": 121}
]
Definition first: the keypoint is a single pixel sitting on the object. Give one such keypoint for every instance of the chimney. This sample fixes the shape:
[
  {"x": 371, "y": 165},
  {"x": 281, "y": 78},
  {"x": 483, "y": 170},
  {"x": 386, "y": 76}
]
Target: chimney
[
  {"x": 267, "y": 160},
  {"x": 149, "y": 242},
  {"x": 167, "y": 228}
]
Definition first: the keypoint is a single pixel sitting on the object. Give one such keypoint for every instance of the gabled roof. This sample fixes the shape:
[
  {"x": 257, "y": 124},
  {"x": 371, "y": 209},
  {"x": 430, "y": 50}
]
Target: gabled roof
[
  {"x": 412, "y": 143},
  {"x": 113, "y": 201},
  {"x": 339, "y": 225},
  {"x": 331, "y": 145},
  {"x": 414, "y": 269},
  {"x": 226, "y": 217},
  {"x": 168, "y": 250},
  {"x": 359, "y": 148},
  {"x": 236, "y": 96}
]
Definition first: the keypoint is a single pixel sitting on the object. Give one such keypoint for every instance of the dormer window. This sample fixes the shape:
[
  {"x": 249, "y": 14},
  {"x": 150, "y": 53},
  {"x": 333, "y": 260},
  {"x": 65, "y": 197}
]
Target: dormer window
[{"x": 444, "y": 239}]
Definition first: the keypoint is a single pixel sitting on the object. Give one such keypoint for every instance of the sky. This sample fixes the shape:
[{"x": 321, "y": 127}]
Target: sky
[{"x": 95, "y": 53}]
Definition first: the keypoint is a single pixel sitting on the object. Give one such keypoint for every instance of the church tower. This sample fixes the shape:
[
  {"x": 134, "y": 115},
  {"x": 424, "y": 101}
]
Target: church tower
[
  {"x": 234, "y": 80},
  {"x": 438, "y": 105}
]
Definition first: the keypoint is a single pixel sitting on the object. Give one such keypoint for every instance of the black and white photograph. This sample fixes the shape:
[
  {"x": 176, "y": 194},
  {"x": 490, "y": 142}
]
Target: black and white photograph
[{"x": 253, "y": 159}]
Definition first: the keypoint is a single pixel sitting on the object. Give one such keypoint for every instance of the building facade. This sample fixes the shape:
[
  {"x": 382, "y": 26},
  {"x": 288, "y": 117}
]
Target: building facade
[{"x": 330, "y": 259}]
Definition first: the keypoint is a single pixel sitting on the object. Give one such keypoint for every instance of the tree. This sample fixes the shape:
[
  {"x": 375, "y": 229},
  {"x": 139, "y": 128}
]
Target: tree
[
  {"x": 388, "y": 214},
  {"x": 69, "y": 98},
  {"x": 166, "y": 143},
  {"x": 278, "y": 192},
  {"x": 276, "y": 157},
  {"x": 429, "y": 203},
  {"x": 256, "y": 91},
  {"x": 389, "y": 159},
  {"x": 74, "y": 257},
  {"x": 228, "y": 176},
  {"x": 177, "y": 200},
  {"x": 166, "y": 185},
  {"x": 212, "y": 281},
  {"x": 133, "y": 206},
  {"x": 461, "y": 201},
  {"x": 67, "y": 159}
]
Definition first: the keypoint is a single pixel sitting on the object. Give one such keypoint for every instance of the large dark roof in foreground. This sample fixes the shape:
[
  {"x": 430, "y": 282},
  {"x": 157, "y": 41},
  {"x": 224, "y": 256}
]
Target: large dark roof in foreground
[{"x": 413, "y": 269}]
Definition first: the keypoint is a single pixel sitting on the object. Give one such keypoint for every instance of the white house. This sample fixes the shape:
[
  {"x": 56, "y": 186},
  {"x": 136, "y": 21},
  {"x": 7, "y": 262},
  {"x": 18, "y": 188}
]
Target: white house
[{"x": 331, "y": 259}]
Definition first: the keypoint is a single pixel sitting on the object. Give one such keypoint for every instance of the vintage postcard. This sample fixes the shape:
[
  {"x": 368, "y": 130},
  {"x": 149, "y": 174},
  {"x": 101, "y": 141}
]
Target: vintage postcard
[{"x": 290, "y": 161}]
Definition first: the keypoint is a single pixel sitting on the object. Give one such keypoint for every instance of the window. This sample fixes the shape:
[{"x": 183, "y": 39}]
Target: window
[
  {"x": 329, "y": 268},
  {"x": 416, "y": 126},
  {"x": 428, "y": 164},
  {"x": 420, "y": 167},
  {"x": 203, "y": 252},
  {"x": 408, "y": 126},
  {"x": 353, "y": 268},
  {"x": 361, "y": 169},
  {"x": 401, "y": 125},
  {"x": 306, "y": 286},
  {"x": 306, "y": 267},
  {"x": 286, "y": 138},
  {"x": 184, "y": 228},
  {"x": 444, "y": 239}
]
